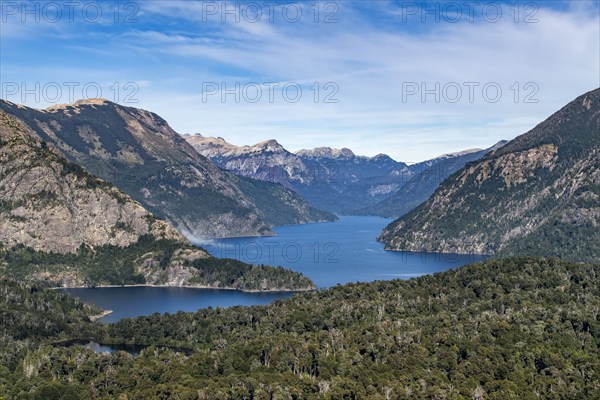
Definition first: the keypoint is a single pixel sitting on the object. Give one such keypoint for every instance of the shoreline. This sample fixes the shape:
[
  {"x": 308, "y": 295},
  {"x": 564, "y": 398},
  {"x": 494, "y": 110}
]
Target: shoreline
[
  {"x": 188, "y": 287},
  {"x": 197, "y": 243},
  {"x": 103, "y": 314},
  {"x": 439, "y": 252}
]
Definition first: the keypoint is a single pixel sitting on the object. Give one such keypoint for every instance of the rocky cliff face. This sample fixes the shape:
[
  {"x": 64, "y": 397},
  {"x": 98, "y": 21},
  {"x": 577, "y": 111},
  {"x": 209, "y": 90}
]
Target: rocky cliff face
[
  {"x": 139, "y": 152},
  {"x": 330, "y": 153},
  {"x": 539, "y": 194},
  {"x": 52, "y": 205},
  {"x": 266, "y": 161},
  {"x": 60, "y": 224}
]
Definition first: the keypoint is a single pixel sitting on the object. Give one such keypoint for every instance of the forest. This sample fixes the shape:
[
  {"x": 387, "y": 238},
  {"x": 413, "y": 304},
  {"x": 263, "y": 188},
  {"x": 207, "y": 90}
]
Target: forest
[
  {"x": 515, "y": 328},
  {"x": 115, "y": 265}
]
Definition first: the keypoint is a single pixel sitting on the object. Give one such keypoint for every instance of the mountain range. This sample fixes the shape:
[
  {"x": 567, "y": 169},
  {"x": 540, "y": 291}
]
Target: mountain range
[
  {"x": 61, "y": 225},
  {"x": 330, "y": 179},
  {"x": 142, "y": 155},
  {"x": 337, "y": 180},
  {"x": 537, "y": 195}
]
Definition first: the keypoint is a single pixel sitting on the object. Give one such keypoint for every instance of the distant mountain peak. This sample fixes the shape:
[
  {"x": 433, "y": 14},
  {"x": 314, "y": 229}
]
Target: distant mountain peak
[
  {"x": 271, "y": 145},
  {"x": 217, "y": 139},
  {"x": 213, "y": 146},
  {"x": 382, "y": 156},
  {"x": 326, "y": 152},
  {"x": 81, "y": 102}
]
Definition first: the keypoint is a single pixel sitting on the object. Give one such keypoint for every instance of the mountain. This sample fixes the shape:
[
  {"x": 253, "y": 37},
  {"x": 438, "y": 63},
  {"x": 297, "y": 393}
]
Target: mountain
[
  {"x": 426, "y": 179},
  {"x": 538, "y": 194},
  {"x": 520, "y": 328},
  {"x": 265, "y": 161},
  {"x": 142, "y": 155},
  {"x": 360, "y": 180},
  {"x": 336, "y": 180},
  {"x": 64, "y": 226}
]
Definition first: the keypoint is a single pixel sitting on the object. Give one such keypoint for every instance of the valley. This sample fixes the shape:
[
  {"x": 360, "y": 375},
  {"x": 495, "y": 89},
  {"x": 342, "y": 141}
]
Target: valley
[
  {"x": 62, "y": 226},
  {"x": 338, "y": 180},
  {"x": 330, "y": 254},
  {"x": 307, "y": 200},
  {"x": 138, "y": 152},
  {"x": 319, "y": 307}
]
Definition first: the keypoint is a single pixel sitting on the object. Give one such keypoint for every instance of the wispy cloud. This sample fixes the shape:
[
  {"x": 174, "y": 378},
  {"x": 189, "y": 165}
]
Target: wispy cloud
[{"x": 370, "y": 54}]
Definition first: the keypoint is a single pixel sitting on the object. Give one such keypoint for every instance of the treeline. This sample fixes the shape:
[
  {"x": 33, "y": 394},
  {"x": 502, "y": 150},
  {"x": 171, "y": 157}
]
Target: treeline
[
  {"x": 520, "y": 328},
  {"x": 114, "y": 265}
]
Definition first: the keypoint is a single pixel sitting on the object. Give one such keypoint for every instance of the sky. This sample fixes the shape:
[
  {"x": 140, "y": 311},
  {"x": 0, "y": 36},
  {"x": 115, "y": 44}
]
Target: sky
[{"x": 409, "y": 79}]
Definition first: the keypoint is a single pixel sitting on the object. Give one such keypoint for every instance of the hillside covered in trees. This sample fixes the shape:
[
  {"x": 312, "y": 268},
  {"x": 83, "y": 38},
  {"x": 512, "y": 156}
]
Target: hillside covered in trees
[{"x": 519, "y": 328}]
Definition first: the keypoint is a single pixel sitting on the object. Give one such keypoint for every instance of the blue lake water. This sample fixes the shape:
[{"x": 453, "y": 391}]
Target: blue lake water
[
  {"x": 328, "y": 253},
  {"x": 336, "y": 252},
  {"x": 141, "y": 300}
]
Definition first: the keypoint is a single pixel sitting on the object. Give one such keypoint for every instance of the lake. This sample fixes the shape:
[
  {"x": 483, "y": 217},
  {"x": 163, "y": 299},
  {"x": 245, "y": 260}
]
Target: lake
[
  {"x": 145, "y": 300},
  {"x": 328, "y": 253},
  {"x": 335, "y": 252}
]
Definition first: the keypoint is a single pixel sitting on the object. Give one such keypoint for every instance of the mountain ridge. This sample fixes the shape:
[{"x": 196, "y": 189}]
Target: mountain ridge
[
  {"x": 424, "y": 183},
  {"x": 337, "y": 180},
  {"x": 61, "y": 225},
  {"x": 142, "y": 155},
  {"x": 537, "y": 195}
]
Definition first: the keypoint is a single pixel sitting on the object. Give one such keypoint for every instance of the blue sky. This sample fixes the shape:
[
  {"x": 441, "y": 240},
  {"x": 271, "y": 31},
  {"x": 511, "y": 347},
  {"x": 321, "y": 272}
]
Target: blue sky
[{"x": 354, "y": 73}]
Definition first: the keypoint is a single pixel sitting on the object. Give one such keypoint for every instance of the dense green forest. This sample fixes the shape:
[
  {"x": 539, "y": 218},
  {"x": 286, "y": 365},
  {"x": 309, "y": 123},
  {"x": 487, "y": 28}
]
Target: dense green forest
[
  {"x": 519, "y": 328},
  {"x": 113, "y": 265}
]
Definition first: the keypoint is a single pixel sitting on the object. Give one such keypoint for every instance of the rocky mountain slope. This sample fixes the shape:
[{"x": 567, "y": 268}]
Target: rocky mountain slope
[
  {"x": 337, "y": 179},
  {"x": 266, "y": 161},
  {"x": 331, "y": 179},
  {"x": 427, "y": 177},
  {"x": 539, "y": 194},
  {"x": 60, "y": 224},
  {"x": 139, "y": 152}
]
